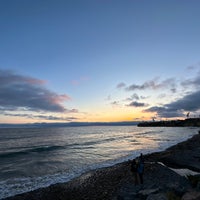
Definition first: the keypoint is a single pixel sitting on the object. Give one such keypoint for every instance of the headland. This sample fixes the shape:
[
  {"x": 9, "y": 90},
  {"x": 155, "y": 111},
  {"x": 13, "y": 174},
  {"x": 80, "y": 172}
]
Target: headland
[{"x": 172, "y": 123}]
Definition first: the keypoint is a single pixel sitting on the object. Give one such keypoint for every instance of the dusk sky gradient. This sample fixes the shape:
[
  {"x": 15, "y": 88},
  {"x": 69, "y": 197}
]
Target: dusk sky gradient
[{"x": 99, "y": 60}]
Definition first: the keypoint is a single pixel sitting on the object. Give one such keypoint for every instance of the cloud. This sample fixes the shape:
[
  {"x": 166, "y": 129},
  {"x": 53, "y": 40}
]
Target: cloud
[
  {"x": 144, "y": 97},
  {"x": 43, "y": 117},
  {"x": 146, "y": 85},
  {"x": 190, "y": 102},
  {"x": 121, "y": 85},
  {"x": 19, "y": 92},
  {"x": 71, "y": 110},
  {"x": 55, "y": 118},
  {"x": 193, "y": 67},
  {"x": 151, "y": 84},
  {"x": 165, "y": 112},
  {"x": 137, "y": 104},
  {"x": 133, "y": 97},
  {"x": 139, "y": 118},
  {"x": 115, "y": 103},
  {"x": 195, "y": 82},
  {"x": 190, "y": 68},
  {"x": 186, "y": 94}
]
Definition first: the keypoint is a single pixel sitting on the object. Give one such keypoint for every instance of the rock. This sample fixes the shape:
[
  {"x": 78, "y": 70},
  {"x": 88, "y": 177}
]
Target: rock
[
  {"x": 165, "y": 179},
  {"x": 192, "y": 195},
  {"x": 159, "y": 196},
  {"x": 183, "y": 155},
  {"x": 148, "y": 191},
  {"x": 198, "y": 186},
  {"x": 195, "y": 181},
  {"x": 157, "y": 178}
]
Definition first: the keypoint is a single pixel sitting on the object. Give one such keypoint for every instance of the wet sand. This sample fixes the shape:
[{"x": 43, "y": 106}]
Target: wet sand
[{"x": 117, "y": 182}]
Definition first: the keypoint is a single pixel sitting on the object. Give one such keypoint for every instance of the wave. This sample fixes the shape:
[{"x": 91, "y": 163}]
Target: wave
[
  {"x": 105, "y": 140},
  {"x": 147, "y": 133},
  {"x": 31, "y": 150},
  {"x": 43, "y": 149},
  {"x": 20, "y": 185}
]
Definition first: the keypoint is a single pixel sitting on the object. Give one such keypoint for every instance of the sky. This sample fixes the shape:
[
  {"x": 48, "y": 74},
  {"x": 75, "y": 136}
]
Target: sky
[{"x": 99, "y": 60}]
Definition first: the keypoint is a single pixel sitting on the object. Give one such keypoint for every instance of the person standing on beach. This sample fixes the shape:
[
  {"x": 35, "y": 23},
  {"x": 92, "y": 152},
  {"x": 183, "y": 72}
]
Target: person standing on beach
[
  {"x": 140, "y": 168},
  {"x": 134, "y": 170}
]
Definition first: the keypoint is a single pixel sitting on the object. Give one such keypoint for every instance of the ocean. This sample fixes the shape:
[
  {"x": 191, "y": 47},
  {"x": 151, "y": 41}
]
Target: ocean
[{"x": 32, "y": 158}]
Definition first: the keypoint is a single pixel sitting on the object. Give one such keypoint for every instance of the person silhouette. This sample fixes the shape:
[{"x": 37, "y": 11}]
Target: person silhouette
[
  {"x": 134, "y": 170},
  {"x": 140, "y": 168}
]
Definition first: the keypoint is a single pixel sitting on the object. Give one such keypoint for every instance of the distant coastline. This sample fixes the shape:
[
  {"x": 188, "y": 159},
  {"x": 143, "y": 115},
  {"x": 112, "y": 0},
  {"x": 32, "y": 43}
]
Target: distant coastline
[
  {"x": 69, "y": 124},
  {"x": 193, "y": 122}
]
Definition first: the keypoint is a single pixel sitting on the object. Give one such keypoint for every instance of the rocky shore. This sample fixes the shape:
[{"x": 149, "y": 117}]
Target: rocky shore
[
  {"x": 193, "y": 122},
  {"x": 164, "y": 178}
]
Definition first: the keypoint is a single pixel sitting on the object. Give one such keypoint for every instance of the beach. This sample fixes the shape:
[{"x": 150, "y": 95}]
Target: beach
[{"x": 164, "y": 178}]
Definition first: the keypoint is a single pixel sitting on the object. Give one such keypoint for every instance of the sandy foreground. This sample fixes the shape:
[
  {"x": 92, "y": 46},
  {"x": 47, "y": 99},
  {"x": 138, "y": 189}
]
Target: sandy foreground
[{"x": 165, "y": 177}]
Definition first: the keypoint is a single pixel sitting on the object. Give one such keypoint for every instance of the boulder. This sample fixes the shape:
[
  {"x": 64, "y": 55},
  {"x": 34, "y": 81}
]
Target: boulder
[
  {"x": 159, "y": 196},
  {"x": 192, "y": 195},
  {"x": 148, "y": 191}
]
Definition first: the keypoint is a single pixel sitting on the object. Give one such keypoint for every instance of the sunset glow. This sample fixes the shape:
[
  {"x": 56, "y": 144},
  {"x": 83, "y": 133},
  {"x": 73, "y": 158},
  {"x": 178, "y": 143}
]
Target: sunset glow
[{"x": 99, "y": 61}]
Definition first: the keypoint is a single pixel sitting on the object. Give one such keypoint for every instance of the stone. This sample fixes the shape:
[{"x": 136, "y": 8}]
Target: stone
[
  {"x": 148, "y": 191},
  {"x": 192, "y": 195},
  {"x": 198, "y": 186},
  {"x": 159, "y": 196}
]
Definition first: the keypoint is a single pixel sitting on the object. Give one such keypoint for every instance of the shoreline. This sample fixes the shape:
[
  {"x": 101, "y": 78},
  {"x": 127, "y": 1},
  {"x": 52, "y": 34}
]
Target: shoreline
[{"x": 117, "y": 182}]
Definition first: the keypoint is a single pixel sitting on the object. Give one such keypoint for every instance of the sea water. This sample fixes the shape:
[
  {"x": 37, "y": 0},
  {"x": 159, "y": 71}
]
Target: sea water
[{"x": 32, "y": 158}]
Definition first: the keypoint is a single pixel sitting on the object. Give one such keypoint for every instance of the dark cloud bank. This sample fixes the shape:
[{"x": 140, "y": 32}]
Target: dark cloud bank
[
  {"x": 188, "y": 103},
  {"x": 21, "y": 93}
]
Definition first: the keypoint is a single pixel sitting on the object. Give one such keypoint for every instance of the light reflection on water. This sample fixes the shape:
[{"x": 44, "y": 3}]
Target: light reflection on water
[{"x": 41, "y": 157}]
